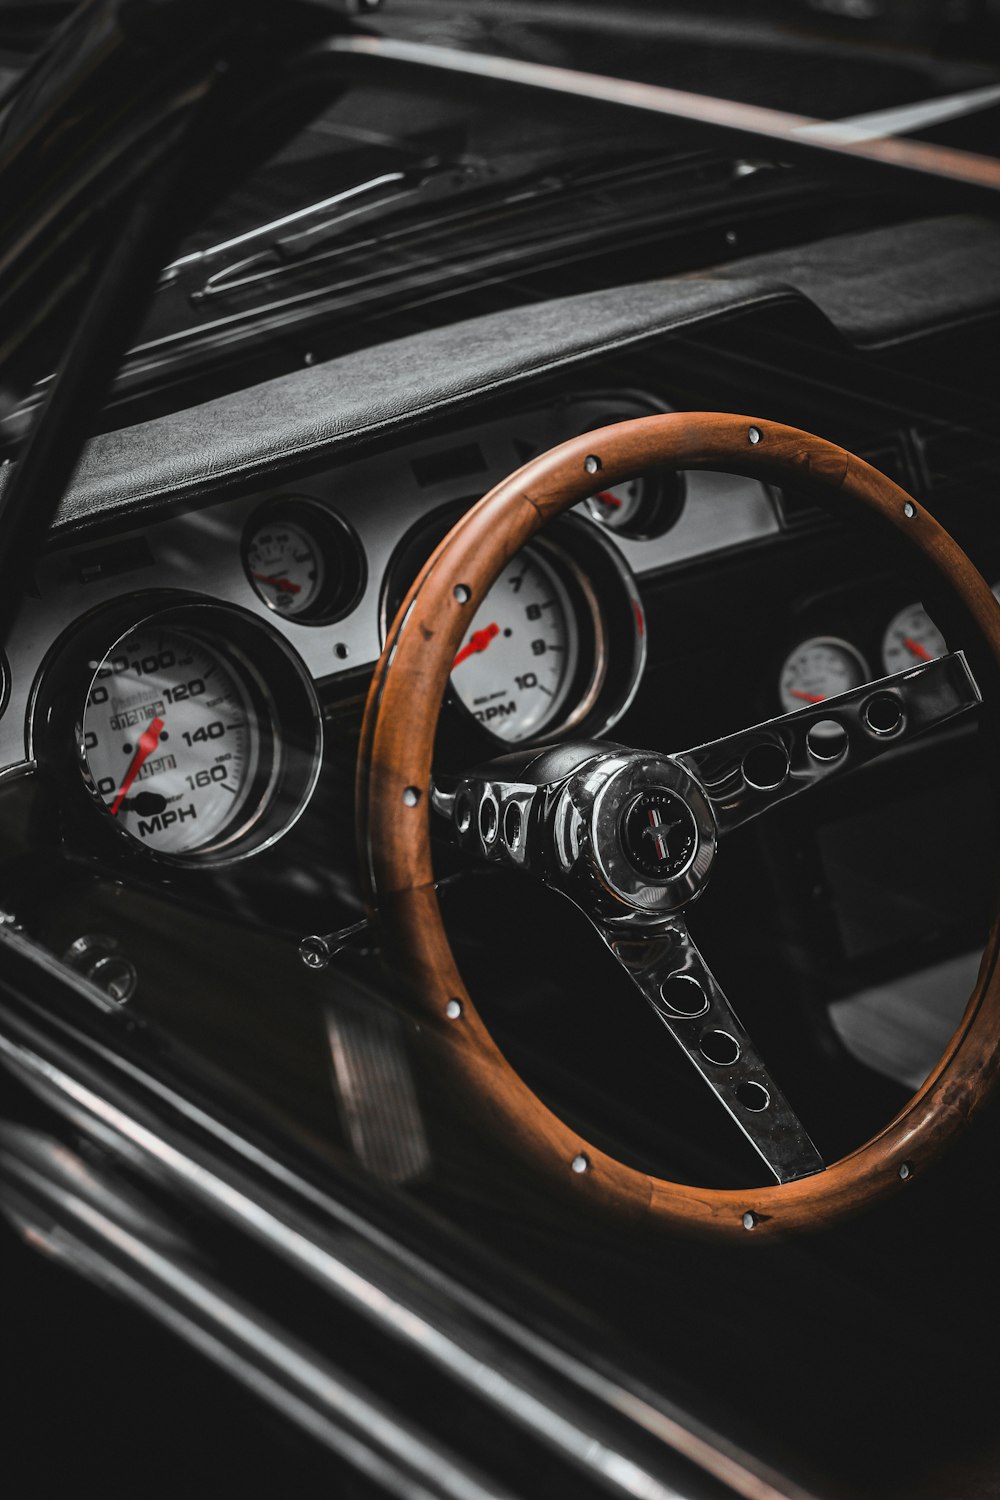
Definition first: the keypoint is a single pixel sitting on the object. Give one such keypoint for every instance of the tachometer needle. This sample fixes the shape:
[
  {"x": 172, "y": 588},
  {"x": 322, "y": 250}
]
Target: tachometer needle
[
  {"x": 606, "y": 498},
  {"x": 283, "y": 585},
  {"x": 808, "y": 697},
  {"x": 480, "y": 639},
  {"x": 148, "y": 742},
  {"x": 920, "y": 652}
]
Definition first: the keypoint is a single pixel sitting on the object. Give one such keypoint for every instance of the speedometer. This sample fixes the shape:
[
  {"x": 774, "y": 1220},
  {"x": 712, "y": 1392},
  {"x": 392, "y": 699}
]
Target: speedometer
[
  {"x": 187, "y": 731},
  {"x": 514, "y": 670},
  {"x": 171, "y": 741}
]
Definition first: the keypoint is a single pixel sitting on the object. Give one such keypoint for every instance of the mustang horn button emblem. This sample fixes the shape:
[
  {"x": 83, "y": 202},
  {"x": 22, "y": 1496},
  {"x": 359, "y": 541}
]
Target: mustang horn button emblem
[{"x": 658, "y": 834}]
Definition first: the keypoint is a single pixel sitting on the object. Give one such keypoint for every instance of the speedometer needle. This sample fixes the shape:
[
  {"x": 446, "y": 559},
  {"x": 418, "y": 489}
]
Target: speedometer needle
[
  {"x": 479, "y": 640},
  {"x": 921, "y": 652},
  {"x": 148, "y": 742},
  {"x": 608, "y": 499},
  {"x": 808, "y": 697},
  {"x": 283, "y": 585}
]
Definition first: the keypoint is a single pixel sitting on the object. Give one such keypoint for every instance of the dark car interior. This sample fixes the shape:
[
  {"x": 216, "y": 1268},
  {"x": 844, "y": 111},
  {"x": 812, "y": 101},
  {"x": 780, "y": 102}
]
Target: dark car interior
[{"x": 312, "y": 402}]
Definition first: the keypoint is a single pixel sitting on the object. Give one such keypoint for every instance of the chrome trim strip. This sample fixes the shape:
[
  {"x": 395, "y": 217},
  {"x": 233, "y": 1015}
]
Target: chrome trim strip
[{"x": 728, "y": 114}]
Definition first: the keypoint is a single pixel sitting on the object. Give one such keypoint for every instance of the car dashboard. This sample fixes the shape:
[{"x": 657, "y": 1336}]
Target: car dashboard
[{"x": 184, "y": 690}]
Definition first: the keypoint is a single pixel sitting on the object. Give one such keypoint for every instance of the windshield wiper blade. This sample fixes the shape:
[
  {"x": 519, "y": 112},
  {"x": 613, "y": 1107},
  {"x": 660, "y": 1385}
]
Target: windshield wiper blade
[
  {"x": 300, "y": 234},
  {"x": 270, "y": 232}
]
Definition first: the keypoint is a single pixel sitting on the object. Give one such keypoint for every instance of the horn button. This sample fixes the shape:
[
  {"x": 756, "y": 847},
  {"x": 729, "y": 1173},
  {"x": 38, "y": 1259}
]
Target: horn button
[{"x": 645, "y": 827}]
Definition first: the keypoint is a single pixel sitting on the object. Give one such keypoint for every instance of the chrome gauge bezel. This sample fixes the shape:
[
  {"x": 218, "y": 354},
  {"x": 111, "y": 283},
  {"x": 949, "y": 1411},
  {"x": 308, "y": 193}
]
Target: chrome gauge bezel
[
  {"x": 334, "y": 538},
  {"x": 608, "y": 614},
  {"x": 278, "y": 688}
]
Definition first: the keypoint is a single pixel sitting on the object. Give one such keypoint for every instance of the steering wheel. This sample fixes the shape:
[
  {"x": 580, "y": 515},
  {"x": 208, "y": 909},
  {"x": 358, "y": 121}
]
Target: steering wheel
[{"x": 631, "y": 835}]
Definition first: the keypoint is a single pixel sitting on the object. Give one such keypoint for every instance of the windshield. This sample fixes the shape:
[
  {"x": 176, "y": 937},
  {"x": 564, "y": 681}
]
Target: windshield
[{"x": 408, "y": 206}]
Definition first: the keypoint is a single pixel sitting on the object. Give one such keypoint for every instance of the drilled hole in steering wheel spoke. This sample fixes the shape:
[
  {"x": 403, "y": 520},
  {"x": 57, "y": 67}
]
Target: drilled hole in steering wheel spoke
[
  {"x": 827, "y": 740},
  {"x": 765, "y": 766},
  {"x": 683, "y": 996},
  {"x": 719, "y": 1047}
]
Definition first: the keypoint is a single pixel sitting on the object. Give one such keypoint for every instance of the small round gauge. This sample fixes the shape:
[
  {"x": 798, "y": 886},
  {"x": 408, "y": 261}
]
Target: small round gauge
[
  {"x": 820, "y": 668},
  {"x": 302, "y": 560},
  {"x": 646, "y": 506},
  {"x": 911, "y": 637},
  {"x": 286, "y": 566},
  {"x": 171, "y": 741},
  {"x": 515, "y": 667},
  {"x": 619, "y": 505}
]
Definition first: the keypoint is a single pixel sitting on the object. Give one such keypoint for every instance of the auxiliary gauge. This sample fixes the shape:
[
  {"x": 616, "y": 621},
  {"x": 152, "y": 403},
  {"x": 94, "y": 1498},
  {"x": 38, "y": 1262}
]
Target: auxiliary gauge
[
  {"x": 302, "y": 560},
  {"x": 911, "y": 637},
  {"x": 820, "y": 668}
]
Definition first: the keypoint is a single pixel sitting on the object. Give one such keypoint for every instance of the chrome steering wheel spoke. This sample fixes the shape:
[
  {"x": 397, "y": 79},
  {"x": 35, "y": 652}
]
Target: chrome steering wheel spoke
[
  {"x": 746, "y": 773},
  {"x": 666, "y": 965}
]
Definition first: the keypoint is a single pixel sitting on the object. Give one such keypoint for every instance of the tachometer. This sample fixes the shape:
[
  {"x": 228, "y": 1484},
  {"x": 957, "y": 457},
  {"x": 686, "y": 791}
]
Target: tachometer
[
  {"x": 170, "y": 740},
  {"x": 515, "y": 667},
  {"x": 557, "y": 645}
]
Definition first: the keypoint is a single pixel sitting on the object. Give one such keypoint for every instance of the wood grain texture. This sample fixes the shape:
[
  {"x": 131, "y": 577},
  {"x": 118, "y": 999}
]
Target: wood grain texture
[{"x": 394, "y": 843}]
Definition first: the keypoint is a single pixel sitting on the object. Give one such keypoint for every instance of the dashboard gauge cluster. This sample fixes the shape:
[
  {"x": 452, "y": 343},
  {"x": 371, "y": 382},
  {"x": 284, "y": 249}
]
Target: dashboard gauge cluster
[
  {"x": 558, "y": 644},
  {"x": 188, "y": 731},
  {"x": 302, "y": 560}
]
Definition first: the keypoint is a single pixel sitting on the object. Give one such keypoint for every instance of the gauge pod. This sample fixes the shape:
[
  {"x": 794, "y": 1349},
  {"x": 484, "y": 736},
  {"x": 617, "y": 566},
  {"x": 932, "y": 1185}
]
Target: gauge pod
[
  {"x": 639, "y": 508},
  {"x": 647, "y": 505},
  {"x": 187, "y": 731},
  {"x": 557, "y": 646},
  {"x": 302, "y": 560}
]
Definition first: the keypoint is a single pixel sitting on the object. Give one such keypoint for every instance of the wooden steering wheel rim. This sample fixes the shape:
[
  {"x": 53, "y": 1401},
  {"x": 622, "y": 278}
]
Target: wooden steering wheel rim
[{"x": 394, "y": 777}]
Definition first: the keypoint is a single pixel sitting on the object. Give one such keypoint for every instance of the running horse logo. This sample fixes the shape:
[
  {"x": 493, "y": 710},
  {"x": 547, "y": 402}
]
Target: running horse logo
[{"x": 657, "y": 831}]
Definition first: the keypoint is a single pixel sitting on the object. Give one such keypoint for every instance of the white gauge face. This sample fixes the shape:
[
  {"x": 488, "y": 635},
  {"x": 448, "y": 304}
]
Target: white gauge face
[
  {"x": 617, "y": 506},
  {"x": 517, "y": 662},
  {"x": 911, "y": 638},
  {"x": 170, "y": 741},
  {"x": 286, "y": 566},
  {"x": 818, "y": 669}
]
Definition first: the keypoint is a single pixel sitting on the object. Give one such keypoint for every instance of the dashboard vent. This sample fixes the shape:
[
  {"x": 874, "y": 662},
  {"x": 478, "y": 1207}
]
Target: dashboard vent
[{"x": 960, "y": 460}]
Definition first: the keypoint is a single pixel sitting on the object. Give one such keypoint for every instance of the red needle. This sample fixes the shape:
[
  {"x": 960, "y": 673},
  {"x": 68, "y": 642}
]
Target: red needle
[
  {"x": 918, "y": 650},
  {"x": 808, "y": 697},
  {"x": 148, "y": 742},
  {"x": 479, "y": 641},
  {"x": 284, "y": 585},
  {"x": 606, "y": 498}
]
